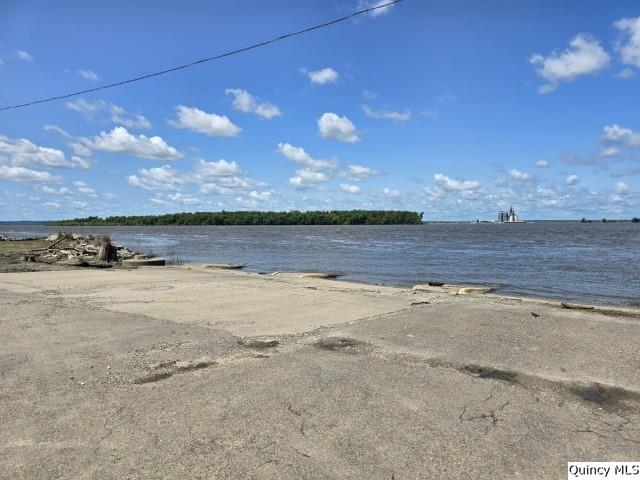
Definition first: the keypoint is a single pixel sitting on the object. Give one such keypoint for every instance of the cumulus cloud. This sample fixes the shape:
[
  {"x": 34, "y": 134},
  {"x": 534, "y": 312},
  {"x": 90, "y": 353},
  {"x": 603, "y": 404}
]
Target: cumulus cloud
[
  {"x": 359, "y": 172},
  {"x": 220, "y": 177},
  {"x": 389, "y": 193},
  {"x": 85, "y": 189},
  {"x": 24, "y": 153},
  {"x": 247, "y": 202},
  {"x": 51, "y": 204},
  {"x": 119, "y": 140},
  {"x": 24, "y": 56},
  {"x": 395, "y": 116},
  {"x": 182, "y": 198},
  {"x": 348, "y": 188},
  {"x": 616, "y": 134},
  {"x": 609, "y": 152},
  {"x": 159, "y": 178},
  {"x": 299, "y": 156},
  {"x": 118, "y": 115},
  {"x": 262, "y": 196},
  {"x": 85, "y": 107},
  {"x": 89, "y": 75},
  {"x": 571, "y": 179},
  {"x": 584, "y": 56},
  {"x": 447, "y": 183},
  {"x": 542, "y": 163},
  {"x": 332, "y": 126},
  {"x": 518, "y": 175},
  {"x": 629, "y": 48},
  {"x": 220, "y": 168},
  {"x": 255, "y": 198},
  {"x": 22, "y": 174},
  {"x": 306, "y": 177},
  {"x": 210, "y": 124},
  {"x": 245, "y": 102},
  {"x": 323, "y": 76}
]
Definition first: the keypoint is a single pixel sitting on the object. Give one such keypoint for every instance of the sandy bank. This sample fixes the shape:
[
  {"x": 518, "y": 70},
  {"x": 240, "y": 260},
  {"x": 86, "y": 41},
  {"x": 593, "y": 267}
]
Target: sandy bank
[{"x": 155, "y": 373}]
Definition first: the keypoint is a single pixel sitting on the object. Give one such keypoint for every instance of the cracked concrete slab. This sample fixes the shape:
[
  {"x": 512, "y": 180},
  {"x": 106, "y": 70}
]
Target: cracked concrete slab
[{"x": 456, "y": 388}]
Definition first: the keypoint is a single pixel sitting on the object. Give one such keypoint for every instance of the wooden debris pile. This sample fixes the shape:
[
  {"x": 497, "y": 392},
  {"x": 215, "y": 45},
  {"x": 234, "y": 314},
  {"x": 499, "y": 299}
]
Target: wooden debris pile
[{"x": 80, "y": 250}]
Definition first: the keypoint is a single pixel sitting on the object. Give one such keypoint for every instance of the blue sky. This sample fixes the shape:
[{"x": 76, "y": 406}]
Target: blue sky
[{"x": 457, "y": 109}]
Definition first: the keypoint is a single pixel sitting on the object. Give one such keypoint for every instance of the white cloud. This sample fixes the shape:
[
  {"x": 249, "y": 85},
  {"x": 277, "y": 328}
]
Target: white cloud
[
  {"x": 262, "y": 196},
  {"x": 247, "y": 202},
  {"x": 245, "y": 102},
  {"x": 24, "y": 56},
  {"x": 348, "y": 188},
  {"x": 254, "y": 198},
  {"x": 119, "y": 115},
  {"x": 221, "y": 177},
  {"x": 323, "y": 76},
  {"x": 447, "y": 183},
  {"x": 89, "y": 75},
  {"x": 389, "y": 193},
  {"x": 22, "y": 174},
  {"x": 210, "y": 124},
  {"x": 299, "y": 156},
  {"x": 518, "y": 175},
  {"x": 609, "y": 152},
  {"x": 376, "y": 3},
  {"x": 221, "y": 168},
  {"x": 332, "y": 126},
  {"x": 630, "y": 48},
  {"x": 24, "y": 153},
  {"x": 305, "y": 177},
  {"x": 82, "y": 187},
  {"x": 542, "y": 163},
  {"x": 119, "y": 140},
  {"x": 159, "y": 178},
  {"x": 621, "y": 188},
  {"x": 583, "y": 57},
  {"x": 621, "y": 136},
  {"x": 86, "y": 108},
  {"x": 176, "y": 198},
  {"x": 184, "y": 199},
  {"x": 571, "y": 179},
  {"x": 51, "y": 204},
  {"x": 360, "y": 172},
  {"x": 53, "y": 191},
  {"x": 396, "y": 116}
]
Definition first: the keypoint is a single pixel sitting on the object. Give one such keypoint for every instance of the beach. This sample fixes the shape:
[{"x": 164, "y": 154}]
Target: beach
[{"x": 195, "y": 372}]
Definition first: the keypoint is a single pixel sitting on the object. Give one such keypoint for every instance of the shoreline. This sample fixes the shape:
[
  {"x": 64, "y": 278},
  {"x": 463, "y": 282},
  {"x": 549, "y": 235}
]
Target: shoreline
[{"x": 495, "y": 288}]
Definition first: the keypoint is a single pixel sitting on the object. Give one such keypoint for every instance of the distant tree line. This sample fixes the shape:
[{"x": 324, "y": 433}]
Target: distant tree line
[
  {"x": 334, "y": 217},
  {"x": 605, "y": 220}
]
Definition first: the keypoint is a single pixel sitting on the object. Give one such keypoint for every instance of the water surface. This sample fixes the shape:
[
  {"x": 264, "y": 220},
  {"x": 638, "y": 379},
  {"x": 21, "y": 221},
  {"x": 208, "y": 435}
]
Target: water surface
[{"x": 591, "y": 262}]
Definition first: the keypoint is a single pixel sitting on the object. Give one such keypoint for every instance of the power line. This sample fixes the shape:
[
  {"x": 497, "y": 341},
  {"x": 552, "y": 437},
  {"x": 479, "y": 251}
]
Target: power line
[{"x": 203, "y": 60}]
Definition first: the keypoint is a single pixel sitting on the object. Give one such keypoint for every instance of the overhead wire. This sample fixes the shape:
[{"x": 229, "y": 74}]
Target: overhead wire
[{"x": 204, "y": 60}]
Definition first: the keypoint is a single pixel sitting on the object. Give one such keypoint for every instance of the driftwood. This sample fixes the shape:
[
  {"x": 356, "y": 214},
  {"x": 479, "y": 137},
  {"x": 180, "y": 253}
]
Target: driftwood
[
  {"x": 575, "y": 307},
  {"x": 62, "y": 237}
]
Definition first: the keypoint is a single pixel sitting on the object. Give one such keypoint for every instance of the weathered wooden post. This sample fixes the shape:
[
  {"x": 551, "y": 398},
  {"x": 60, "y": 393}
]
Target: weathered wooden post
[{"x": 107, "y": 252}]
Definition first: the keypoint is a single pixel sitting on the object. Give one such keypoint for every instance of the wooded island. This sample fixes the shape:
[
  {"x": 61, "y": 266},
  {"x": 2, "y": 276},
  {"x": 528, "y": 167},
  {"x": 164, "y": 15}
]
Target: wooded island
[{"x": 334, "y": 217}]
